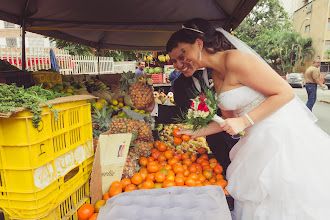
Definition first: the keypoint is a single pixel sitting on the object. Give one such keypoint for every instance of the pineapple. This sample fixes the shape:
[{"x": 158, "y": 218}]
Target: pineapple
[
  {"x": 141, "y": 94},
  {"x": 130, "y": 167},
  {"x": 123, "y": 125},
  {"x": 145, "y": 148},
  {"x": 144, "y": 132}
]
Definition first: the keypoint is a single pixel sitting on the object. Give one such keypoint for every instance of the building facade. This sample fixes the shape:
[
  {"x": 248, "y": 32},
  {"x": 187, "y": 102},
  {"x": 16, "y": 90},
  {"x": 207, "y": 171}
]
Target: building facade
[
  {"x": 10, "y": 36},
  {"x": 313, "y": 20}
]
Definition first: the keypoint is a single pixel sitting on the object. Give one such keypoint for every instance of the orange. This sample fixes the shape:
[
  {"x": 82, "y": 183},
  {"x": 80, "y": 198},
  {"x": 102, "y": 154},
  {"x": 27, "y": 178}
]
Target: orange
[
  {"x": 164, "y": 171},
  {"x": 125, "y": 182},
  {"x": 185, "y": 137},
  {"x": 137, "y": 179},
  {"x": 226, "y": 192},
  {"x": 150, "y": 159},
  {"x": 199, "y": 167},
  {"x": 178, "y": 169},
  {"x": 201, "y": 150},
  {"x": 207, "y": 167},
  {"x": 163, "y": 163},
  {"x": 98, "y": 205},
  {"x": 144, "y": 175},
  {"x": 93, "y": 217},
  {"x": 152, "y": 168},
  {"x": 115, "y": 190},
  {"x": 168, "y": 183},
  {"x": 223, "y": 183},
  {"x": 190, "y": 181},
  {"x": 148, "y": 184},
  {"x": 130, "y": 187},
  {"x": 168, "y": 154},
  {"x": 194, "y": 176},
  {"x": 155, "y": 155},
  {"x": 199, "y": 184},
  {"x": 201, "y": 178},
  {"x": 205, "y": 157},
  {"x": 208, "y": 174},
  {"x": 213, "y": 181},
  {"x": 151, "y": 145},
  {"x": 170, "y": 177},
  {"x": 192, "y": 168},
  {"x": 178, "y": 156},
  {"x": 106, "y": 196},
  {"x": 184, "y": 156},
  {"x": 116, "y": 183},
  {"x": 160, "y": 177},
  {"x": 156, "y": 143},
  {"x": 85, "y": 212},
  {"x": 186, "y": 173},
  {"x": 212, "y": 165},
  {"x": 213, "y": 160},
  {"x": 143, "y": 161},
  {"x": 140, "y": 185},
  {"x": 175, "y": 133},
  {"x": 151, "y": 176},
  {"x": 193, "y": 157},
  {"x": 179, "y": 175},
  {"x": 161, "y": 157},
  {"x": 187, "y": 162},
  {"x": 199, "y": 160},
  {"x": 158, "y": 185},
  {"x": 177, "y": 140},
  {"x": 168, "y": 167},
  {"x": 173, "y": 161},
  {"x": 218, "y": 169},
  {"x": 143, "y": 170},
  {"x": 204, "y": 162},
  {"x": 162, "y": 147},
  {"x": 219, "y": 176},
  {"x": 179, "y": 181}
]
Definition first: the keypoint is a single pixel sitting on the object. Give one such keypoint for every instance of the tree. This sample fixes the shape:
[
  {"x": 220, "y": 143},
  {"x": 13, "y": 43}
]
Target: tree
[{"x": 269, "y": 32}]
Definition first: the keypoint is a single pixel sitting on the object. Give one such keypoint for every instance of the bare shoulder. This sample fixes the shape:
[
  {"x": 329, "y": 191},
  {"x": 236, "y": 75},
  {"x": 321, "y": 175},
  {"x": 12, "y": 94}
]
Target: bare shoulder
[{"x": 234, "y": 57}]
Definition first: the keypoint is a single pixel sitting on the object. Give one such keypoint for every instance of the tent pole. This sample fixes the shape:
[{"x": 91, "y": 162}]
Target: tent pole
[
  {"x": 23, "y": 46},
  {"x": 98, "y": 60}
]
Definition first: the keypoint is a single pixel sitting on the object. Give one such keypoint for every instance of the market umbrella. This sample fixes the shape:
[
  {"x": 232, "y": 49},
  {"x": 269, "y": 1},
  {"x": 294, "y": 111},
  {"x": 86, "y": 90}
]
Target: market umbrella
[{"x": 53, "y": 61}]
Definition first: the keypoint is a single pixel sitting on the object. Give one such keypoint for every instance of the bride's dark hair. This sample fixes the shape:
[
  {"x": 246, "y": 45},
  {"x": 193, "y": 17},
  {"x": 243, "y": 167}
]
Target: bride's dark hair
[{"x": 213, "y": 40}]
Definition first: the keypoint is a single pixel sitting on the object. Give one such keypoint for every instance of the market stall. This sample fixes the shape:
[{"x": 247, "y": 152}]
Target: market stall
[{"x": 58, "y": 185}]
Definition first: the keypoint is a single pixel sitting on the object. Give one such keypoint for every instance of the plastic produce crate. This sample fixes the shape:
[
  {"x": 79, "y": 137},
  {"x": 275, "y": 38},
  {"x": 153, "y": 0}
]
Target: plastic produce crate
[
  {"x": 157, "y": 78},
  {"x": 67, "y": 207},
  {"x": 38, "y": 166},
  {"x": 21, "y": 78}
]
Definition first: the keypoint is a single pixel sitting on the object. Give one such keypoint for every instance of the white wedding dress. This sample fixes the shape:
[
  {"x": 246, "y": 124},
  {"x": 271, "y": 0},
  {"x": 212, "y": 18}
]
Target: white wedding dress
[{"x": 280, "y": 168}]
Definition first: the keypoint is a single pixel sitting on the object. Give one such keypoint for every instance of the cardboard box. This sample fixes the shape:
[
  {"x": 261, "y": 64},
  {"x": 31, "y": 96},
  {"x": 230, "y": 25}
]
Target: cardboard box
[{"x": 110, "y": 158}]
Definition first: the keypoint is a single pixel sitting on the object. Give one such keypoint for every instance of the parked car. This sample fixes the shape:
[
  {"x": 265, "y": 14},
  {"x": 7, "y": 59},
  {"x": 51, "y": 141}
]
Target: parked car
[
  {"x": 327, "y": 80},
  {"x": 296, "y": 79}
]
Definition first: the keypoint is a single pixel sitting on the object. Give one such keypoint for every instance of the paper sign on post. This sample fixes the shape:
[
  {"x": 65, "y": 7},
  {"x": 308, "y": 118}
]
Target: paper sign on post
[{"x": 110, "y": 158}]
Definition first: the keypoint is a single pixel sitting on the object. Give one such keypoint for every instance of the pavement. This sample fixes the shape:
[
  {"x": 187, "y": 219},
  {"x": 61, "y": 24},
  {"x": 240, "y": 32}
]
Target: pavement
[{"x": 323, "y": 95}]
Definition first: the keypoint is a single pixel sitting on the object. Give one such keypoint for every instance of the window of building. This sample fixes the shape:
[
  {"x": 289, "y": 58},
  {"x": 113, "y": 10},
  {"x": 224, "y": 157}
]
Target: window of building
[
  {"x": 11, "y": 42},
  {"x": 307, "y": 27},
  {"x": 9, "y": 25},
  {"x": 327, "y": 49}
]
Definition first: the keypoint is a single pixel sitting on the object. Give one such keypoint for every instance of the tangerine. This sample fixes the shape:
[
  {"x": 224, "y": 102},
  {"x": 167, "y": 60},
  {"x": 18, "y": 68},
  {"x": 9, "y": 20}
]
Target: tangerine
[
  {"x": 213, "y": 160},
  {"x": 116, "y": 183},
  {"x": 125, "y": 182},
  {"x": 177, "y": 140},
  {"x": 187, "y": 162},
  {"x": 93, "y": 217},
  {"x": 152, "y": 168},
  {"x": 173, "y": 161},
  {"x": 190, "y": 181},
  {"x": 156, "y": 143},
  {"x": 192, "y": 168},
  {"x": 137, "y": 179},
  {"x": 161, "y": 157},
  {"x": 184, "y": 156},
  {"x": 193, "y": 157},
  {"x": 106, "y": 196},
  {"x": 205, "y": 157},
  {"x": 168, "y": 183},
  {"x": 175, "y": 133},
  {"x": 148, "y": 184},
  {"x": 223, "y": 183},
  {"x": 201, "y": 150},
  {"x": 158, "y": 185},
  {"x": 218, "y": 169},
  {"x": 115, "y": 190},
  {"x": 144, "y": 175},
  {"x": 162, "y": 147},
  {"x": 98, "y": 205},
  {"x": 208, "y": 174},
  {"x": 151, "y": 176},
  {"x": 170, "y": 177},
  {"x": 143, "y": 161},
  {"x": 85, "y": 212},
  {"x": 160, "y": 177},
  {"x": 185, "y": 137},
  {"x": 168, "y": 154},
  {"x": 179, "y": 181},
  {"x": 130, "y": 187}
]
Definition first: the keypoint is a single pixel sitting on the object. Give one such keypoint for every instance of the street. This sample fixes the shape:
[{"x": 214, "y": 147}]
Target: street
[{"x": 321, "y": 108}]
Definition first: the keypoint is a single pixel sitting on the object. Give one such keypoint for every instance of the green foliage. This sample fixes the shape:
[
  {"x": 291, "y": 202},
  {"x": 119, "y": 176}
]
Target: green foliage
[
  {"x": 12, "y": 97},
  {"x": 101, "y": 120},
  {"x": 269, "y": 32},
  {"x": 73, "y": 48}
]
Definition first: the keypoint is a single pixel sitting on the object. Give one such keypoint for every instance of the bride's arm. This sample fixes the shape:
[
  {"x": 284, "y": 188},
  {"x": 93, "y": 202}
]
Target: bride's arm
[{"x": 249, "y": 70}]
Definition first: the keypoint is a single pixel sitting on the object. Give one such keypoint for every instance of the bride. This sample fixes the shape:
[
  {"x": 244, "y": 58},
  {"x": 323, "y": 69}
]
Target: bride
[{"x": 280, "y": 167}]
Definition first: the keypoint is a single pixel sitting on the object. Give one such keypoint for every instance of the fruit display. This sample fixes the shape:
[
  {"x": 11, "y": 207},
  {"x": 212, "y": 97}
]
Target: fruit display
[
  {"x": 181, "y": 143},
  {"x": 141, "y": 94},
  {"x": 162, "y": 98}
]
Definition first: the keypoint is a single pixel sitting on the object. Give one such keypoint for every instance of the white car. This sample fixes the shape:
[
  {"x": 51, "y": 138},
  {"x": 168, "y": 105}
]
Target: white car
[{"x": 296, "y": 79}]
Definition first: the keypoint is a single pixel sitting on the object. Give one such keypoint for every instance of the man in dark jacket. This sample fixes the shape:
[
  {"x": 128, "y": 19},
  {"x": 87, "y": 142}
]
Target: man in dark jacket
[{"x": 184, "y": 90}]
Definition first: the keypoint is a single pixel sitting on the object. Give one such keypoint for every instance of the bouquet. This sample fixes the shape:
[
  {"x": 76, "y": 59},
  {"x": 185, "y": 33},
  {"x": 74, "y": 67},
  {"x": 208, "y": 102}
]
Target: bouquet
[{"x": 203, "y": 110}]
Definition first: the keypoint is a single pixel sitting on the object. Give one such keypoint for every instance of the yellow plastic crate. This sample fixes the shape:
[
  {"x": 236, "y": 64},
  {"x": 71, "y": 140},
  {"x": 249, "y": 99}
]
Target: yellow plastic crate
[{"x": 61, "y": 203}]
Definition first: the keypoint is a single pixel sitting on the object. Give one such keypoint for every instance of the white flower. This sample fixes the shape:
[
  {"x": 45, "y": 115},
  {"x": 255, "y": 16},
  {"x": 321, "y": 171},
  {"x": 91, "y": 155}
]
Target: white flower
[{"x": 205, "y": 114}]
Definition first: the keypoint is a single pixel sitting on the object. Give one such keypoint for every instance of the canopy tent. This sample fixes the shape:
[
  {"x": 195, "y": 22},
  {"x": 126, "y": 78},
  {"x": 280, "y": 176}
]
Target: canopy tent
[{"x": 120, "y": 25}]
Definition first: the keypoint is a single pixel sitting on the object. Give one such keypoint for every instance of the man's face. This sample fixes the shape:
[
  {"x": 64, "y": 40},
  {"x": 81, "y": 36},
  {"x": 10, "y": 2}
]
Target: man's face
[
  {"x": 142, "y": 65},
  {"x": 317, "y": 64},
  {"x": 180, "y": 61}
]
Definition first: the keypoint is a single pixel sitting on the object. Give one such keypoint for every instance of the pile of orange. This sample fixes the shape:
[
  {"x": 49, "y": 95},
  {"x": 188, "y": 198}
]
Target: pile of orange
[
  {"x": 165, "y": 168},
  {"x": 178, "y": 138}
]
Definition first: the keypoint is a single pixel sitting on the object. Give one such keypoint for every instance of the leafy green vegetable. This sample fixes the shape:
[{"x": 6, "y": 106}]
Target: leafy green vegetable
[{"x": 12, "y": 97}]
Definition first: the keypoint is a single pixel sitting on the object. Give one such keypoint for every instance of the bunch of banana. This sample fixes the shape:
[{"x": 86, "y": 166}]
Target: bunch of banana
[{"x": 99, "y": 86}]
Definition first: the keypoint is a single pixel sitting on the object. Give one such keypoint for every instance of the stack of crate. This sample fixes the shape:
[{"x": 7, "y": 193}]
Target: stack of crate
[{"x": 45, "y": 171}]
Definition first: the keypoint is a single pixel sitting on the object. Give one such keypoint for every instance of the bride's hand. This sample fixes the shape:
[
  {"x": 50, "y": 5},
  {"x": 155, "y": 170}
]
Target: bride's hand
[
  {"x": 191, "y": 133},
  {"x": 234, "y": 125}
]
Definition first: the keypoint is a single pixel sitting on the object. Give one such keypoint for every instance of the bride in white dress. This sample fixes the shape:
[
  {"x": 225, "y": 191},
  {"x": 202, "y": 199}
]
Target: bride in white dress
[{"x": 280, "y": 167}]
